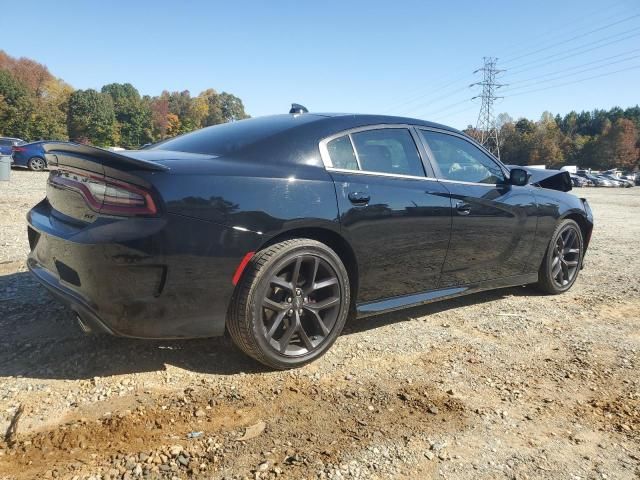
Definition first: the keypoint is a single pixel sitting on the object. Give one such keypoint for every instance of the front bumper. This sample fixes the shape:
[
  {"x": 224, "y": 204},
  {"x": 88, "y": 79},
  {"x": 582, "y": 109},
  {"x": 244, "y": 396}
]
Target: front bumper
[{"x": 168, "y": 277}]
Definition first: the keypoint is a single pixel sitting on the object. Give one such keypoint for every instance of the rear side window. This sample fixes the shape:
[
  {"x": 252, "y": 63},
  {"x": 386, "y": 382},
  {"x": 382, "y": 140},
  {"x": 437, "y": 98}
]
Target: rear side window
[
  {"x": 388, "y": 150},
  {"x": 383, "y": 150},
  {"x": 342, "y": 154},
  {"x": 460, "y": 160}
]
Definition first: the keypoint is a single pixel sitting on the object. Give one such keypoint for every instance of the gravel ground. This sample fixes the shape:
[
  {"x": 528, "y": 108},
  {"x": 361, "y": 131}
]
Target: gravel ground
[{"x": 505, "y": 384}]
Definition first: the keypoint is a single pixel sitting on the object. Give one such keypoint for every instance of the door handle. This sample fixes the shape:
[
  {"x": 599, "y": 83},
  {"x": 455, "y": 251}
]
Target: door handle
[
  {"x": 359, "y": 198},
  {"x": 463, "y": 208}
]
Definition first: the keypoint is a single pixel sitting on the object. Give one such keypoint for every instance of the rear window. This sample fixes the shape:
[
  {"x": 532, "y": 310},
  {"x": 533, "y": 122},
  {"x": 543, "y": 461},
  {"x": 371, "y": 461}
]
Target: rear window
[{"x": 228, "y": 138}]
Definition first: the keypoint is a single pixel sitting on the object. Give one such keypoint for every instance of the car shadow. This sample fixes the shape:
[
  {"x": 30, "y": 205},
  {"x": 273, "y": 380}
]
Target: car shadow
[{"x": 41, "y": 339}]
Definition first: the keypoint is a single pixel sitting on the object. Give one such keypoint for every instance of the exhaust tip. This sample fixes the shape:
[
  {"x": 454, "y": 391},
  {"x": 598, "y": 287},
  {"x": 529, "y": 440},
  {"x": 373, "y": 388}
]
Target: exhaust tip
[{"x": 82, "y": 324}]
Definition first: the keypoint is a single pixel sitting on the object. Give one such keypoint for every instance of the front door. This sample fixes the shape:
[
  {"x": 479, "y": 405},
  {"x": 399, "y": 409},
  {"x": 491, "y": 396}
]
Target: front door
[
  {"x": 396, "y": 217},
  {"x": 493, "y": 222}
]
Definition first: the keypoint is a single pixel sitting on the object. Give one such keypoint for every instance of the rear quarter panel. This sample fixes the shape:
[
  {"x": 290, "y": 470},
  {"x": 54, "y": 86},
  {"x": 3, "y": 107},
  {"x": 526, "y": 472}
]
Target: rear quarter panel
[{"x": 265, "y": 199}]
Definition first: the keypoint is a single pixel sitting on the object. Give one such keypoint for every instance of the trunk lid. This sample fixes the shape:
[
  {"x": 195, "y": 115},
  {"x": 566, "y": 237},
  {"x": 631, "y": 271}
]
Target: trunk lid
[{"x": 84, "y": 179}]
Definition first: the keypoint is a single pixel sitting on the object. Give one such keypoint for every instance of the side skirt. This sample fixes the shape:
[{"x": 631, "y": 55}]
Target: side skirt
[{"x": 405, "y": 301}]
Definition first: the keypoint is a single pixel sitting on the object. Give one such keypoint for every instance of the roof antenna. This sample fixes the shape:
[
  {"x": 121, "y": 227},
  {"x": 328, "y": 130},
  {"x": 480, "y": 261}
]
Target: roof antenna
[{"x": 296, "y": 108}]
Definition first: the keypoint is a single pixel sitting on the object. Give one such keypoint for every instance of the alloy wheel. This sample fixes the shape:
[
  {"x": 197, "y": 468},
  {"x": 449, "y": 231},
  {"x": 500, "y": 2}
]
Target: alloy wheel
[
  {"x": 36, "y": 164},
  {"x": 301, "y": 305},
  {"x": 566, "y": 257}
]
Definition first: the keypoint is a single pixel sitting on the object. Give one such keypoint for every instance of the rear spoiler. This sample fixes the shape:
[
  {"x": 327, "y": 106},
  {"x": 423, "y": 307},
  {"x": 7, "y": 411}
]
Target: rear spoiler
[{"x": 93, "y": 158}]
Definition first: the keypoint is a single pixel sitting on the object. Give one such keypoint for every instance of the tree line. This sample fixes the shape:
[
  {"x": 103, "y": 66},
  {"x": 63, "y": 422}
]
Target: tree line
[
  {"x": 35, "y": 105},
  {"x": 599, "y": 139}
]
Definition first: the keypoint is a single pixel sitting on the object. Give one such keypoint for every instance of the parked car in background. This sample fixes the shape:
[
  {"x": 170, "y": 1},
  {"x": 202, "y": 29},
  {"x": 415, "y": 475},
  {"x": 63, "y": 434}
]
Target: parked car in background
[
  {"x": 29, "y": 155},
  {"x": 612, "y": 182},
  {"x": 622, "y": 182},
  {"x": 7, "y": 142},
  {"x": 597, "y": 181},
  {"x": 577, "y": 181},
  {"x": 630, "y": 176}
]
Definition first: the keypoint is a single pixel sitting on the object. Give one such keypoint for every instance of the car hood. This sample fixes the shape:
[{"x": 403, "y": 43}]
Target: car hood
[{"x": 551, "y": 179}]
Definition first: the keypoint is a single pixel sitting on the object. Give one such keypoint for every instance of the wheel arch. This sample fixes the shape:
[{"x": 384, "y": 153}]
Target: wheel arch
[
  {"x": 584, "y": 225},
  {"x": 333, "y": 240}
]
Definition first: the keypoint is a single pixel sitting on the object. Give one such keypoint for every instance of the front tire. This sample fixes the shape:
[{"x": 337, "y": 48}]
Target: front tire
[
  {"x": 563, "y": 260},
  {"x": 291, "y": 303},
  {"x": 36, "y": 164}
]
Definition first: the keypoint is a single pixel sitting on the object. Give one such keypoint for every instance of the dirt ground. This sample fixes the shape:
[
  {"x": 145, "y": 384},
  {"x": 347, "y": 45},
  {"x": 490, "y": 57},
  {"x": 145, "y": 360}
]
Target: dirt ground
[{"x": 505, "y": 384}]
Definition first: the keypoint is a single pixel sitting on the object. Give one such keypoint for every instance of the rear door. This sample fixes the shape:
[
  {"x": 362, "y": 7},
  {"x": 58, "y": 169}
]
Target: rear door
[
  {"x": 493, "y": 222},
  {"x": 395, "y": 214}
]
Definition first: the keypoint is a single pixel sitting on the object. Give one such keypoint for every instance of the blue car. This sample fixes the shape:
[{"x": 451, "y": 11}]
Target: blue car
[
  {"x": 7, "y": 142},
  {"x": 30, "y": 155}
]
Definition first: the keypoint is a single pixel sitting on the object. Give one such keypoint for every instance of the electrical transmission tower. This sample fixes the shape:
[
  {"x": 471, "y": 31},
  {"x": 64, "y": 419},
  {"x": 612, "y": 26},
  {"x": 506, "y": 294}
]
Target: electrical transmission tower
[{"x": 486, "y": 128}]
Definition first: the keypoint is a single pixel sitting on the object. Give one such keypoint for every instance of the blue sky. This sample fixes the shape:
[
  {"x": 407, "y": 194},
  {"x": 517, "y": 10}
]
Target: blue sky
[{"x": 412, "y": 58}]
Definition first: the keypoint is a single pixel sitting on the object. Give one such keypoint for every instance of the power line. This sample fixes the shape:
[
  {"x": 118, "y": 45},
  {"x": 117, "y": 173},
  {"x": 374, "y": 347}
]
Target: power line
[
  {"x": 510, "y": 60},
  {"x": 448, "y": 107},
  {"x": 448, "y": 84},
  {"x": 576, "y": 81},
  {"x": 581, "y": 49},
  {"x": 578, "y": 66},
  {"x": 472, "y": 107},
  {"x": 451, "y": 82},
  {"x": 599, "y": 61},
  {"x": 436, "y": 100},
  {"x": 560, "y": 29},
  {"x": 441, "y": 87},
  {"x": 534, "y": 79}
]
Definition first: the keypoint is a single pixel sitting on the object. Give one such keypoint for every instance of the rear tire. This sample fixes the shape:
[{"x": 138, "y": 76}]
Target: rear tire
[
  {"x": 36, "y": 164},
  {"x": 563, "y": 260},
  {"x": 290, "y": 304}
]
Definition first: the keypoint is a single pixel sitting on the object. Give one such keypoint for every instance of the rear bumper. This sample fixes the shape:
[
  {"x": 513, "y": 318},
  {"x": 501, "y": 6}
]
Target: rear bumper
[
  {"x": 77, "y": 304},
  {"x": 155, "y": 278}
]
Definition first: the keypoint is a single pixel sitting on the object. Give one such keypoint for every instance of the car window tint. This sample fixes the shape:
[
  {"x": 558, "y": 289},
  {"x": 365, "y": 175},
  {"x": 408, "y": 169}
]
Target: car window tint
[
  {"x": 460, "y": 160},
  {"x": 5, "y": 142},
  {"x": 388, "y": 150},
  {"x": 342, "y": 154}
]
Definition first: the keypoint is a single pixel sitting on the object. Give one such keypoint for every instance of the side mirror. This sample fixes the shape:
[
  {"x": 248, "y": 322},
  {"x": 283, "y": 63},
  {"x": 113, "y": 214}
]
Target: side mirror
[{"x": 519, "y": 177}]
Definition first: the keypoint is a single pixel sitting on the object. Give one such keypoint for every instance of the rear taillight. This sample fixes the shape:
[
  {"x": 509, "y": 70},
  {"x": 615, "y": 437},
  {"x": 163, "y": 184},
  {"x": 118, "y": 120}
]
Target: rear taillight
[
  {"x": 109, "y": 196},
  {"x": 17, "y": 149}
]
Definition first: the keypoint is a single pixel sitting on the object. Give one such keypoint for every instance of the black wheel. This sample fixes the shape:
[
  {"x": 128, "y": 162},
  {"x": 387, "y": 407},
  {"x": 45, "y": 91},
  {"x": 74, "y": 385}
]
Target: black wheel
[
  {"x": 563, "y": 260},
  {"x": 36, "y": 164},
  {"x": 291, "y": 303}
]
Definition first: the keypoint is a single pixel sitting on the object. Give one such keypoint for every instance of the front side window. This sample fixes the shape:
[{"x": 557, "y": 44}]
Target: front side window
[
  {"x": 388, "y": 150},
  {"x": 459, "y": 160}
]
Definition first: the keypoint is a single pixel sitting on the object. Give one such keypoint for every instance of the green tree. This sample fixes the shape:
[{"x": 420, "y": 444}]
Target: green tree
[
  {"x": 133, "y": 116},
  {"x": 231, "y": 107},
  {"x": 91, "y": 118},
  {"x": 15, "y": 107}
]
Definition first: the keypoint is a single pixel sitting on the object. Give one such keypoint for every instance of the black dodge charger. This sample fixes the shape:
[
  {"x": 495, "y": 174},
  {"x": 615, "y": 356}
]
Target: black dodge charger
[{"x": 274, "y": 229}]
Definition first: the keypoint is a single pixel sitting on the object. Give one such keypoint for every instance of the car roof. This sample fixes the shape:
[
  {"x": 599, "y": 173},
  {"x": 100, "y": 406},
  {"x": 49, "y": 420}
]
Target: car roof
[
  {"x": 372, "y": 119},
  {"x": 285, "y": 135}
]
